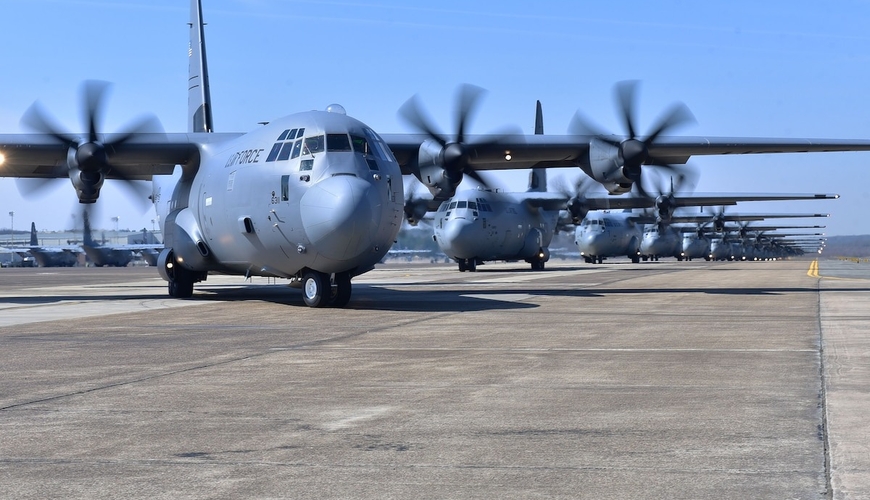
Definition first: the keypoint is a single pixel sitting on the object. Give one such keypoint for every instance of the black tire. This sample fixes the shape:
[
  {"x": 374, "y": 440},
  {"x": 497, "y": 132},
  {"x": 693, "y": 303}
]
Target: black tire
[
  {"x": 471, "y": 264},
  {"x": 181, "y": 284},
  {"x": 341, "y": 292},
  {"x": 316, "y": 291}
]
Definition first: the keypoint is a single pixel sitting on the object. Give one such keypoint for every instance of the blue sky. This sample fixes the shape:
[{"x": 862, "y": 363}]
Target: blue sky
[{"x": 754, "y": 69}]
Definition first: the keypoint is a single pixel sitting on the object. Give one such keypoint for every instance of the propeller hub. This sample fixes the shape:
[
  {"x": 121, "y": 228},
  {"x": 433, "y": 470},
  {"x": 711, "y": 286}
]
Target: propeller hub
[
  {"x": 91, "y": 157},
  {"x": 454, "y": 157},
  {"x": 633, "y": 152}
]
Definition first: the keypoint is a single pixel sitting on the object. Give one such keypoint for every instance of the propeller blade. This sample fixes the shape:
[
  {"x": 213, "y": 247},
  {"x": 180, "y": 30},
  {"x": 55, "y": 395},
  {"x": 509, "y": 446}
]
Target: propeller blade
[
  {"x": 678, "y": 115},
  {"x": 416, "y": 117},
  {"x": 468, "y": 97},
  {"x": 625, "y": 100},
  {"x": 37, "y": 119},
  {"x": 93, "y": 95}
]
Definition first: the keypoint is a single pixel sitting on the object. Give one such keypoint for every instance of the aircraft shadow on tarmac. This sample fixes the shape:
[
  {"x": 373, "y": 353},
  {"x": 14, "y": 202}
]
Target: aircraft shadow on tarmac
[{"x": 461, "y": 298}]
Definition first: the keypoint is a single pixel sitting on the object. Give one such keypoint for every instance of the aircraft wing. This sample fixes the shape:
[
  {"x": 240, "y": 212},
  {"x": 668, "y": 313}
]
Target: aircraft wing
[
  {"x": 702, "y": 200},
  {"x": 489, "y": 152},
  {"x": 44, "y": 156},
  {"x": 706, "y": 217}
]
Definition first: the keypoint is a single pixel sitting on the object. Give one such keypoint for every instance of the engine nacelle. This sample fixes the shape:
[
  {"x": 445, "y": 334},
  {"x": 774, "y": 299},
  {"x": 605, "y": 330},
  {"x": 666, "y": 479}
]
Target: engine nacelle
[
  {"x": 86, "y": 184},
  {"x": 430, "y": 165}
]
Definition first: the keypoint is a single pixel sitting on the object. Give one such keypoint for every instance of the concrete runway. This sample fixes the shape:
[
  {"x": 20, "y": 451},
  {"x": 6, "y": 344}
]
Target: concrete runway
[{"x": 653, "y": 380}]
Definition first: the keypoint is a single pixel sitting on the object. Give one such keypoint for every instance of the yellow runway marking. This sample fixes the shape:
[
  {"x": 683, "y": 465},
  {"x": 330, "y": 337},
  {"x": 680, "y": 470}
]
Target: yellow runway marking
[{"x": 813, "y": 272}]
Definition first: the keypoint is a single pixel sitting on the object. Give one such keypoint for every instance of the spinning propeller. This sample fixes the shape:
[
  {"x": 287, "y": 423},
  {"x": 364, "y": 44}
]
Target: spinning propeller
[
  {"x": 450, "y": 154},
  {"x": 89, "y": 157},
  {"x": 634, "y": 152}
]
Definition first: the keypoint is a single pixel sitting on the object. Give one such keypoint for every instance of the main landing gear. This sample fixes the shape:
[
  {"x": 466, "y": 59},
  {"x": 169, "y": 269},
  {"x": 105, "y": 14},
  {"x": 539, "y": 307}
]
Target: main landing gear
[
  {"x": 469, "y": 265},
  {"x": 319, "y": 290}
]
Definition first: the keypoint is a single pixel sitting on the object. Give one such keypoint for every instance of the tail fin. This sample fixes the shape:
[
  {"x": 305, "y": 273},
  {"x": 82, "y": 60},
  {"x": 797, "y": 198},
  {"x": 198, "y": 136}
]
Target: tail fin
[
  {"x": 33, "y": 240},
  {"x": 538, "y": 177},
  {"x": 198, "y": 95}
]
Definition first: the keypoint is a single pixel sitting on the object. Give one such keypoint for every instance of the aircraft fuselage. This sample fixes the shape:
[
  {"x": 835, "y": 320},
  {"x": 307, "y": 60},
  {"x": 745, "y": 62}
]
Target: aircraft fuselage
[
  {"x": 483, "y": 225},
  {"x": 315, "y": 190}
]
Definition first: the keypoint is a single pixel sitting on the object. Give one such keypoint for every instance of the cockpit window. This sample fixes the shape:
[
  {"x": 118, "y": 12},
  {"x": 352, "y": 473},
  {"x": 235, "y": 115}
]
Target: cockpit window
[
  {"x": 337, "y": 142},
  {"x": 360, "y": 144},
  {"x": 297, "y": 148},
  {"x": 299, "y": 133},
  {"x": 284, "y": 134},
  {"x": 313, "y": 145},
  {"x": 472, "y": 205},
  {"x": 462, "y": 204},
  {"x": 377, "y": 146},
  {"x": 452, "y": 205},
  {"x": 443, "y": 207}
]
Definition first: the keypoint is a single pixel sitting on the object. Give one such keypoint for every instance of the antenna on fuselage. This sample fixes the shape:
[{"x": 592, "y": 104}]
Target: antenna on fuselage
[
  {"x": 198, "y": 96},
  {"x": 538, "y": 176}
]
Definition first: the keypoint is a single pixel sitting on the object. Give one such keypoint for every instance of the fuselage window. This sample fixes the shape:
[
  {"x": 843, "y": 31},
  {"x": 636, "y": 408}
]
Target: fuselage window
[
  {"x": 285, "y": 188},
  {"x": 297, "y": 148},
  {"x": 372, "y": 163},
  {"x": 306, "y": 165},
  {"x": 337, "y": 142},
  {"x": 313, "y": 144}
]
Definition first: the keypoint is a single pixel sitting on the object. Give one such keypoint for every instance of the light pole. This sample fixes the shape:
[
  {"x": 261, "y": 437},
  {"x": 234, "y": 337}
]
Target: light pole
[
  {"x": 115, "y": 220},
  {"x": 11, "y": 228}
]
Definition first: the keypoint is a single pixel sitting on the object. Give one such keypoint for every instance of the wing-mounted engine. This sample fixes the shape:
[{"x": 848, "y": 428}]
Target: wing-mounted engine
[
  {"x": 89, "y": 158},
  {"x": 617, "y": 162},
  {"x": 443, "y": 160}
]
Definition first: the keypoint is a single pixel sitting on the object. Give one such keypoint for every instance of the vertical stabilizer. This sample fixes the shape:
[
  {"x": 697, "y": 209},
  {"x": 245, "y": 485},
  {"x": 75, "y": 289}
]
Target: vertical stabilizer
[
  {"x": 198, "y": 95},
  {"x": 538, "y": 176},
  {"x": 33, "y": 240}
]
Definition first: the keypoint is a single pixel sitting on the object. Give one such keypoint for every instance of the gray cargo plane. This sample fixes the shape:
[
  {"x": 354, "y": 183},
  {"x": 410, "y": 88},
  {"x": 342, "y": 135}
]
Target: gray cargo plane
[
  {"x": 49, "y": 255},
  {"x": 604, "y": 234},
  {"x": 317, "y": 197}
]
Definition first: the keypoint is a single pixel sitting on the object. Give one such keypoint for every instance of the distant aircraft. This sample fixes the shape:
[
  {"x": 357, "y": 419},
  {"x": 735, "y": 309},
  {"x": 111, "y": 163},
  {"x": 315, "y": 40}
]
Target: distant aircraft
[
  {"x": 49, "y": 255},
  {"x": 114, "y": 255},
  {"x": 316, "y": 197},
  {"x": 604, "y": 234}
]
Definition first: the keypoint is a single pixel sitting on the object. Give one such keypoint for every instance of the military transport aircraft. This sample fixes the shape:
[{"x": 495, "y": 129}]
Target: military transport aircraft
[
  {"x": 316, "y": 197},
  {"x": 48, "y": 255},
  {"x": 113, "y": 255},
  {"x": 605, "y": 233}
]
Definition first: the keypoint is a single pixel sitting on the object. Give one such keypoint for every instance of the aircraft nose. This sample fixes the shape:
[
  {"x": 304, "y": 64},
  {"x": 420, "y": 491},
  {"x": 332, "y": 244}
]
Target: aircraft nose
[
  {"x": 460, "y": 238},
  {"x": 338, "y": 216}
]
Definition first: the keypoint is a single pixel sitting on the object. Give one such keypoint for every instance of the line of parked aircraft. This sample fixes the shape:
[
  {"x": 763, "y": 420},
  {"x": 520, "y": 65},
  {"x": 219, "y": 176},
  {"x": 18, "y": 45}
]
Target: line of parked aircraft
[
  {"x": 318, "y": 197},
  {"x": 97, "y": 253}
]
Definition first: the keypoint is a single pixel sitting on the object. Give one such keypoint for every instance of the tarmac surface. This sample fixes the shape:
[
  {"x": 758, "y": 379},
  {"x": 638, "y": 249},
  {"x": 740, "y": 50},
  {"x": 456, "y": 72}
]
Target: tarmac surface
[{"x": 653, "y": 380}]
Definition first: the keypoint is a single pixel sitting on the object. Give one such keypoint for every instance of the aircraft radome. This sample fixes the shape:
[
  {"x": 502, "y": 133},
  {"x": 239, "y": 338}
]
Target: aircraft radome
[{"x": 317, "y": 197}]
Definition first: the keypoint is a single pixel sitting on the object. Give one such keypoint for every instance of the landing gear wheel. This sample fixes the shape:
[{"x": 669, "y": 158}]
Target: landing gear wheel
[
  {"x": 537, "y": 265},
  {"x": 181, "y": 284},
  {"x": 462, "y": 267},
  {"x": 315, "y": 289},
  {"x": 341, "y": 290},
  {"x": 471, "y": 265}
]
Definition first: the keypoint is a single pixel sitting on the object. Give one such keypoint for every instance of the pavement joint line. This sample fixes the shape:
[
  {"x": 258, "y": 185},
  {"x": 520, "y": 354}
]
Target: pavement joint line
[{"x": 531, "y": 349}]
